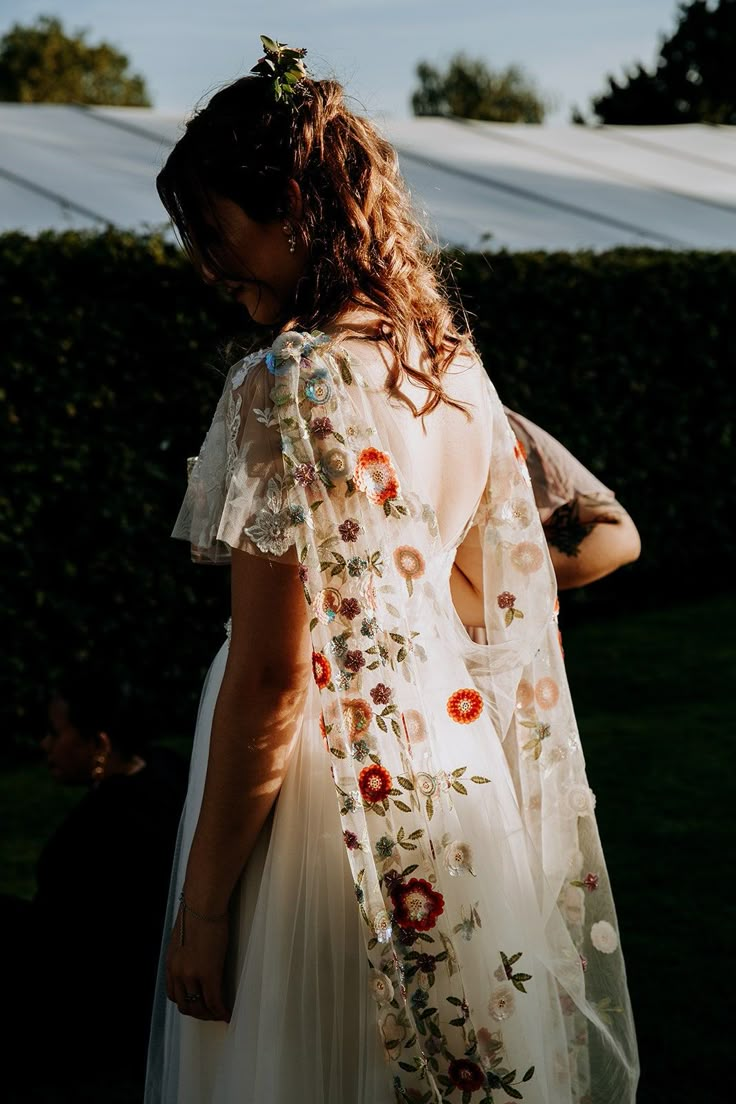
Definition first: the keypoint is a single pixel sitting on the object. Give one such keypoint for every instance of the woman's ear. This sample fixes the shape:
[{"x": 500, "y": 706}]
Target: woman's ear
[{"x": 294, "y": 204}]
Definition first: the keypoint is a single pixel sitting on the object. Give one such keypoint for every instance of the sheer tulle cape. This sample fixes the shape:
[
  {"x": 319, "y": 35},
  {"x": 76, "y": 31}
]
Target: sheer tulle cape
[{"x": 482, "y": 961}]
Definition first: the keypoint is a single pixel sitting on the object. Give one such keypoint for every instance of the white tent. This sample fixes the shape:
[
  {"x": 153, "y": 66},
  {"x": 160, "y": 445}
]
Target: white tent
[{"x": 488, "y": 185}]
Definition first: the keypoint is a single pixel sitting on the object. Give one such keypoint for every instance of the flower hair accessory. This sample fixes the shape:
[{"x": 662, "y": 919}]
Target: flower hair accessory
[{"x": 283, "y": 66}]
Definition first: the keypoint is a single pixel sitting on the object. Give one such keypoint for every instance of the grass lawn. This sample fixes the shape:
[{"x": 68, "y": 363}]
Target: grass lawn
[{"x": 650, "y": 691}]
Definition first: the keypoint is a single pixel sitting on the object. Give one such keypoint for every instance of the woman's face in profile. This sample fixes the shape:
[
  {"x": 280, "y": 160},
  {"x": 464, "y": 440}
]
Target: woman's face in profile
[
  {"x": 69, "y": 756},
  {"x": 270, "y": 270}
]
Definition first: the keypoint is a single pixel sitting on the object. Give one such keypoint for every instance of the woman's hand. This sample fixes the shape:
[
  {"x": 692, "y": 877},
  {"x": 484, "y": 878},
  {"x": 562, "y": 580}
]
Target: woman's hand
[{"x": 197, "y": 967}]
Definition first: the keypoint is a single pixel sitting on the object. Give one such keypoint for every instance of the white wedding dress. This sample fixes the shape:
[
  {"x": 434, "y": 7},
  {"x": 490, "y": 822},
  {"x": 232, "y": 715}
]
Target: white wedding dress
[{"x": 427, "y": 915}]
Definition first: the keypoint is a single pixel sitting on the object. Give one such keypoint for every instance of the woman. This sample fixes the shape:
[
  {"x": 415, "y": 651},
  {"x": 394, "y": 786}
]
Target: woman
[{"x": 388, "y": 882}]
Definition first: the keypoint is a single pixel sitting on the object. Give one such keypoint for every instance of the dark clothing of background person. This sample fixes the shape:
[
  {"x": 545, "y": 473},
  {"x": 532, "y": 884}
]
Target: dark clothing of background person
[{"x": 91, "y": 937}]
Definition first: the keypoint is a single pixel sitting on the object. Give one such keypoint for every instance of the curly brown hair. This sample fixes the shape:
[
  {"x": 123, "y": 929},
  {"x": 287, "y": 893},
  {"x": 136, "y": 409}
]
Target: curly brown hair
[{"x": 366, "y": 244}]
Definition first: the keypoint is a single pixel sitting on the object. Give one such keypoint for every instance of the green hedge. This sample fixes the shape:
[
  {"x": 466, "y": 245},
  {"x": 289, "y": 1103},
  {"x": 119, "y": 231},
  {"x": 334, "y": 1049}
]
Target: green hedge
[{"x": 113, "y": 355}]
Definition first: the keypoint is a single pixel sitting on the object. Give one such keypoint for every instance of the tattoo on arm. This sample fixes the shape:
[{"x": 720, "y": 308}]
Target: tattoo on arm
[{"x": 564, "y": 529}]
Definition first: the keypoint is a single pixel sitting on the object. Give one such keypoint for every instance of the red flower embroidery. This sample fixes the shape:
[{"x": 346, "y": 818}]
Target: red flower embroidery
[
  {"x": 321, "y": 668},
  {"x": 321, "y": 428},
  {"x": 465, "y": 1074},
  {"x": 381, "y": 694},
  {"x": 416, "y": 904},
  {"x": 375, "y": 476},
  {"x": 349, "y": 530},
  {"x": 350, "y": 608},
  {"x": 506, "y": 600},
  {"x": 465, "y": 706},
  {"x": 374, "y": 783},
  {"x": 590, "y": 881},
  {"x": 354, "y": 661}
]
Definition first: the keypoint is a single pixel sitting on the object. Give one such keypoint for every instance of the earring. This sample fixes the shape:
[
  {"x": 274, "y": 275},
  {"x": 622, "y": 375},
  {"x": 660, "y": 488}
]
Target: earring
[
  {"x": 289, "y": 231},
  {"x": 99, "y": 768}
]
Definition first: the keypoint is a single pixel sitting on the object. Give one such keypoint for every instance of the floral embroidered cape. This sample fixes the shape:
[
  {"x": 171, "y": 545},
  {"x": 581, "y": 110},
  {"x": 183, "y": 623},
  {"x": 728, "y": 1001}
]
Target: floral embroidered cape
[{"x": 466, "y": 814}]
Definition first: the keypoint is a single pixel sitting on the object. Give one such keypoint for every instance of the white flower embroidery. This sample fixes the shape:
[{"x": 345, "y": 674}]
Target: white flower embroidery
[
  {"x": 581, "y": 800},
  {"x": 459, "y": 858},
  {"x": 573, "y": 905},
  {"x": 271, "y": 530},
  {"x": 501, "y": 1004},
  {"x": 603, "y": 937},
  {"x": 382, "y": 926},
  {"x": 380, "y": 987},
  {"x": 267, "y": 417}
]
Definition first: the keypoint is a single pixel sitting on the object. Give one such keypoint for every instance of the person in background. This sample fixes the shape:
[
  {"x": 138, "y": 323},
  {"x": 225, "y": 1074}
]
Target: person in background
[
  {"x": 86, "y": 946},
  {"x": 588, "y": 532}
]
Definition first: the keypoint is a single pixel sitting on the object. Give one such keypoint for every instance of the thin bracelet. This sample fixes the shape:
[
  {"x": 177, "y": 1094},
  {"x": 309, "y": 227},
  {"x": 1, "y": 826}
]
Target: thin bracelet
[{"x": 185, "y": 908}]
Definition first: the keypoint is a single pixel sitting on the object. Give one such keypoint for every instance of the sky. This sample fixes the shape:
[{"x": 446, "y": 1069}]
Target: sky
[{"x": 185, "y": 52}]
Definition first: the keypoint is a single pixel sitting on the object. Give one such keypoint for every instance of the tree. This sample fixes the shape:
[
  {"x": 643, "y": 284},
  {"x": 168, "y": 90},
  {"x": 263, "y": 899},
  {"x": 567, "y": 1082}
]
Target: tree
[
  {"x": 694, "y": 80},
  {"x": 469, "y": 89},
  {"x": 42, "y": 64}
]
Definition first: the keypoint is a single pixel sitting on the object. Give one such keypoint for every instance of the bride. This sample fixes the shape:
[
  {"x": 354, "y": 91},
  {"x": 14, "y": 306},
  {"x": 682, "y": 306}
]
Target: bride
[{"x": 388, "y": 882}]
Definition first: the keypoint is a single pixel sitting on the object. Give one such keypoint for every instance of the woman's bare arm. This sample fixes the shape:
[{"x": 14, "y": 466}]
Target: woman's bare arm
[{"x": 256, "y": 720}]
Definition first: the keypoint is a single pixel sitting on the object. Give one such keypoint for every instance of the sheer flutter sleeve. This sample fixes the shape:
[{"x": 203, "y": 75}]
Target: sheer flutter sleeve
[{"x": 236, "y": 496}]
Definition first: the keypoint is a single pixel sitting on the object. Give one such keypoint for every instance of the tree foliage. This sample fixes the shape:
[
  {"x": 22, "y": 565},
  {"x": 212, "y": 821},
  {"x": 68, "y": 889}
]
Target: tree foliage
[
  {"x": 470, "y": 89},
  {"x": 41, "y": 63},
  {"x": 694, "y": 79}
]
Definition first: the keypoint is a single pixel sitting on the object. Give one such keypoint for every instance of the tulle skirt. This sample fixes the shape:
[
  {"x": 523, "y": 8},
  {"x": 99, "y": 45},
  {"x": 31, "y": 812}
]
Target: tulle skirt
[{"x": 296, "y": 976}]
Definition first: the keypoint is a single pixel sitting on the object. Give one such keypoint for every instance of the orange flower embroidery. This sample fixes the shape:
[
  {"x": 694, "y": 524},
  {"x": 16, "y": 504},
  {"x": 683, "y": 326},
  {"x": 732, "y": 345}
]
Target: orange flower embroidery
[
  {"x": 409, "y": 562},
  {"x": 357, "y": 714},
  {"x": 321, "y": 668},
  {"x": 547, "y": 693},
  {"x": 524, "y": 694},
  {"x": 375, "y": 476},
  {"x": 519, "y": 450},
  {"x": 374, "y": 783},
  {"x": 465, "y": 706},
  {"x": 527, "y": 557}
]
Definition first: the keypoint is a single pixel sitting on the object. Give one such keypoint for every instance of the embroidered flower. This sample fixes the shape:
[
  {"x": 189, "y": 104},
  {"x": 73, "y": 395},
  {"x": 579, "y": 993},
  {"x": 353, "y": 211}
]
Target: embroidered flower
[
  {"x": 368, "y": 627},
  {"x": 321, "y": 668},
  {"x": 581, "y": 800},
  {"x": 502, "y": 1002},
  {"x": 349, "y": 608},
  {"x": 351, "y": 841},
  {"x": 321, "y": 428},
  {"x": 349, "y": 530},
  {"x": 393, "y": 1033},
  {"x": 336, "y": 464},
  {"x": 303, "y": 574},
  {"x": 547, "y": 693},
  {"x": 327, "y": 604},
  {"x": 285, "y": 352},
  {"x": 506, "y": 600},
  {"x": 360, "y": 750},
  {"x": 603, "y": 937},
  {"x": 519, "y": 450},
  {"x": 416, "y": 905},
  {"x": 381, "y": 694},
  {"x": 584, "y": 962},
  {"x": 280, "y": 394},
  {"x": 382, "y": 926},
  {"x": 517, "y": 513},
  {"x": 524, "y": 694},
  {"x": 305, "y": 474},
  {"x": 357, "y": 715},
  {"x": 465, "y": 706},
  {"x": 527, "y": 557},
  {"x": 354, "y": 660},
  {"x": 590, "y": 881},
  {"x": 426, "y": 784},
  {"x": 374, "y": 783},
  {"x": 375, "y": 476},
  {"x": 414, "y": 726},
  {"x": 380, "y": 987},
  {"x": 385, "y": 847},
  {"x": 318, "y": 388},
  {"x": 270, "y": 531},
  {"x": 368, "y": 591},
  {"x": 339, "y": 644},
  {"x": 356, "y": 566},
  {"x": 409, "y": 562},
  {"x": 459, "y": 858},
  {"x": 466, "y": 1075}
]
